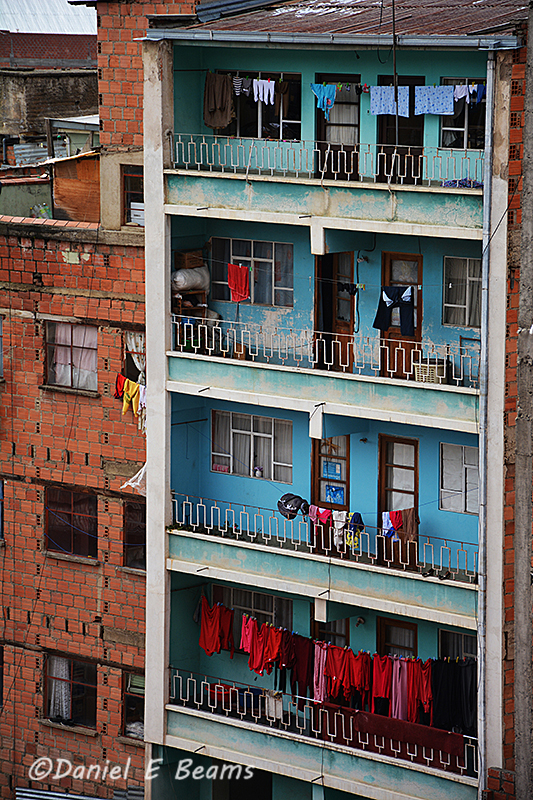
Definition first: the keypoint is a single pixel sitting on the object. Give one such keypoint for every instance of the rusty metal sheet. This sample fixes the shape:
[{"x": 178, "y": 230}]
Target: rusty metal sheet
[{"x": 373, "y": 17}]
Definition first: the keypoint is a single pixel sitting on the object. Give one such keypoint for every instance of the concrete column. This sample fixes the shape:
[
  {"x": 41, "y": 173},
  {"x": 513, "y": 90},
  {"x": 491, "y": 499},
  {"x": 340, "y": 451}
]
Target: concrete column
[{"x": 157, "y": 58}]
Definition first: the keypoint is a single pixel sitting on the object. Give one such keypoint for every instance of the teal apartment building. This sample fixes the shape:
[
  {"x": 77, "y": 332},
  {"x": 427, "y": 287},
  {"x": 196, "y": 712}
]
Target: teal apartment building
[{"x": 326, "y": 319}]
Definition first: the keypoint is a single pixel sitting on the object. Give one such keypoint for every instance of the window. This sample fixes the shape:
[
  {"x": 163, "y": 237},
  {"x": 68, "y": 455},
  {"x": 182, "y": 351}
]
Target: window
[
  {"x": 465, "y": 129},
  {"x": 134, "y": 705},
  {"x": 331, "y": 465},
  {"x": 1, "y": 677},
  {"x": 457, "y": 645},
  {"x": 134, "y": 356},
  {"x": 251, "y": 446},
  {"x": 71, "y": 355},
  {"x": 71, "y": 522},
  {"x": 396, "y": 638},
  {"x": 271, "y": 270},
  {"x": 337, "y": 632},
  {"x": 267, "y": 608},
  {"x": 71, "y": 691},
  {"x": 135, "y": 535},
  {"x": 398, "y": 474},
  {"x": 133, "y": 183},
  {"x": 459, "y": 478},
  {"x": 462, "y": 292},
  {"x": 1, "y": 348},
  {"x": 280, "y": 120}
]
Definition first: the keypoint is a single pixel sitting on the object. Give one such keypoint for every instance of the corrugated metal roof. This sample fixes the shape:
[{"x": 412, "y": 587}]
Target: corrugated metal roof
[
  {"x": 38, "y": 794},
  {"x": 372, "y": 17},
  {"x": 90, "y": 122},
  {"x": 52, "y": 16},
  {"x": 33, "y": 153}
]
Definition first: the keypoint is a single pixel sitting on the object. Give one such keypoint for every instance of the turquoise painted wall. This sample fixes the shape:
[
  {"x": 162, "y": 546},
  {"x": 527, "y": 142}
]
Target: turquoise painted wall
[
  {"x": 191, "y": 63},
  {"x": 191, "y": 468}
]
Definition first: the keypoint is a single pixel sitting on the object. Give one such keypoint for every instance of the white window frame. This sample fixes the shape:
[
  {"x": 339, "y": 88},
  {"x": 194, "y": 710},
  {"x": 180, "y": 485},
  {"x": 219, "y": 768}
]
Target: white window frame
[
  {"x": 444, "y": 128},
  {"x": 468, "y": 504},
  {"x": 249, "y": 261},
  {"x": 472, "y": 284},
  {"x": 222, "y": 459},
  {"x": 275, "y": 76}
]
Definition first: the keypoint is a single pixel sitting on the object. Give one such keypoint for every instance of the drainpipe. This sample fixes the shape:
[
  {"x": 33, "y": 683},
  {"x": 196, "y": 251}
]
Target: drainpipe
[{"x": 483, "y": 414}]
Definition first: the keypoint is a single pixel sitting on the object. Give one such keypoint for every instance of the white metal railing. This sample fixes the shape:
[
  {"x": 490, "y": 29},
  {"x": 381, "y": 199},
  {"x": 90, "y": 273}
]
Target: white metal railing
[
  {"x": 455, "y": 363},
  {"x": 447, "y": 559},
  {"x": 326, "y": 723},
  {"x": 433, "y": 166}
]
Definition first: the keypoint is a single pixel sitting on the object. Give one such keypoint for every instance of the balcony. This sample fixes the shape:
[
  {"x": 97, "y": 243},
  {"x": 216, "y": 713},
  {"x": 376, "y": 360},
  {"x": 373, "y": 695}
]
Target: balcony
[
  {"x": 448, "y": 365},
  {"x": 308, "y": 159},
  {"x": 246, "y": 712}
]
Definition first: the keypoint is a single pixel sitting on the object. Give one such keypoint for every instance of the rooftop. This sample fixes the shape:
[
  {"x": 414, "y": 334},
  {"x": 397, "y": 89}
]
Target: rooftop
[{"x": 54, "y": 16}]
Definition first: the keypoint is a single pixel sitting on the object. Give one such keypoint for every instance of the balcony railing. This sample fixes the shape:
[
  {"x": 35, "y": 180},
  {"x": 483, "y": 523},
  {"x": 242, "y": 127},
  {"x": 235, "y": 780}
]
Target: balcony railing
[
  {"x": 361, "y": 163},
  {"x": 429, "y": 555},
  {"x": 329, "y": 724},
  {"x": 454, "y": 364}
]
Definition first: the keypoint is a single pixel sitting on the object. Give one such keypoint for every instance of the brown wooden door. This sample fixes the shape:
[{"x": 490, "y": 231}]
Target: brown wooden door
[
  {"x": 400, "y": 353},
  {"x": 338, "y": 137},
  {"x": 334, "y": 311},
  {"x": 397, "y": 490},
  {"x": 400, "y": 161}
]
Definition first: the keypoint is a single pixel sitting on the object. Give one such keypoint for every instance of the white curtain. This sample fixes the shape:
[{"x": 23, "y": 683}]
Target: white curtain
[
  {"x": 73, "y": 358},
  {"x": 59, "y": 689},
  {"x": 135, "y": 346},
  {"x": 283, "y": 451}
]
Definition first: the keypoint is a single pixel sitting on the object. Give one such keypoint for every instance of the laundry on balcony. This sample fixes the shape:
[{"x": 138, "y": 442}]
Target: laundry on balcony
[
  {"x": 434, "y": 100},
  {"x": 218, "y": 100},
  {"x": 290, "y": 504},
  {"x": 401, "y": 297},
  {"x": 382, "y": 100},
  {"x": 325, "y": 96}
]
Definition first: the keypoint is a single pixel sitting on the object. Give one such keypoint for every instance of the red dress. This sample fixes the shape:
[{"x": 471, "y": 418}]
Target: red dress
[{"x": 210, "y": 631}]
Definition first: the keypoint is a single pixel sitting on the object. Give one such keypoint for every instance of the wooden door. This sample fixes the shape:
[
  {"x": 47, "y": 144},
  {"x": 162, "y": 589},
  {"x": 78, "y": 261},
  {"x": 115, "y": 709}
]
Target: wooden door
[
  {"x": 399, "y": 352},
  {"x": 338, "y": 137},
  {"x": 334, "y": 311},
  {"x": 330, "y": 471},
  {"x": 397, "y": 490},
  {"x": 400, "y": 161}
]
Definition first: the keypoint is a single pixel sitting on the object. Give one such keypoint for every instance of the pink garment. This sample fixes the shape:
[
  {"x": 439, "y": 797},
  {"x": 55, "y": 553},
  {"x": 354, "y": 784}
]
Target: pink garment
[
  {"x": 396, "y": 519},
  {"x": 313, "y": 513},
  {"x": 246, "y": 633},
  {"x": 319, "y": 677},
  {"x": 400, "y": 698},
  {"x": 324, "y": 515}
]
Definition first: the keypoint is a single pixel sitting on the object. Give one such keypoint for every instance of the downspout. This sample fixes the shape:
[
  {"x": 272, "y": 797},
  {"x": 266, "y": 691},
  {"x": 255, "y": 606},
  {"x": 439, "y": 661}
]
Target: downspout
[{"x": 483, "y": 416}]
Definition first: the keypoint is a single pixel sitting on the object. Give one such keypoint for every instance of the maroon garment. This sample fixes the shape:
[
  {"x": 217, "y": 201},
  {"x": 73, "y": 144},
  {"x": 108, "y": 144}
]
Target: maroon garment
[
  {"x": 226, "y": 629},
  {"x": 302, "y": 672},
  {"x": 287, "y": 656},
  {"x": 257, "y": 647},
  {"x": 381, "y": 679},
  {"x": 400, "y": 731},
  {"x": 427, "y": 692},
  {"x": 210, "y": 631}
]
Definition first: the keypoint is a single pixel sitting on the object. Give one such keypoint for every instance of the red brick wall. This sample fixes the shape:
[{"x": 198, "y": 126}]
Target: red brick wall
[
  {"x": 46, "y": 50},
  {"x": 501, "y": 782},
  {"x": 120, "y": 69},
  {"x": 50, "y": 604}
]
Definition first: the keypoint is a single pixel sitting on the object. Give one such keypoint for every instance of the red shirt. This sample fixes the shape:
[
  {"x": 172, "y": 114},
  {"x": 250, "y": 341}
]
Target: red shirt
[
  {"x": 210, "y": 628},
  {"x": 382, "y": 678}
]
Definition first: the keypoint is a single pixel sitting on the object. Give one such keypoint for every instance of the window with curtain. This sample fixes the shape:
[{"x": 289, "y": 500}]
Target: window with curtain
[
  {"x": 133, "y": 704},
  {"x": 71, "y": 355},
  {"x": 255, "y": 447},
  {"x": 71, "y": 522},
  {"x": 396, "y": 638},
  {"x": 71, "y": 691},
  {"x": 457, "y": 645},
  {"x": 135, "y": 356},
  {"x": 459, "y": 479},
  {"x": 271, "y": 270},
  {"x": 276, "y": 611},
  {"x": 135, "y": 535},
  {"x": 462, "y": 292},
  {"x": 398, "y": 476}
]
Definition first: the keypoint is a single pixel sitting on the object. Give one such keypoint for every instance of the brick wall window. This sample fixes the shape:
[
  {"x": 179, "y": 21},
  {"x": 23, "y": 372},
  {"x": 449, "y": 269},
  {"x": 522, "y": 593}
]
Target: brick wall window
[
  {"x": 71, "y": 352},
  {"x": 271, "y": 270},
  {"x": 135, "y": 535},
  {"x": 1, "y": 677},
  {"x": 133, "y": 705},
  {"x": 70, "y": 691},
  {"x": 71, "y": 522},
  {"x": 251, "y": 446},
  {"x": 133, "y": 194},
  {"x": 1, "y": 348},
  {"x": 134, "y": 356},
  {"x": 461, "y": 292},
  {"x": 459, "y": 478}
]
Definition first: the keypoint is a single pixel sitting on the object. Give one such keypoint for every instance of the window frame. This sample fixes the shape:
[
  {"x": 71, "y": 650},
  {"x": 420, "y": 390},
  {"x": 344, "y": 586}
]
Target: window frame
[
  {"x": 381, "y": 639},
  {"x": 49, "y": 355},
  {"x": 325, "y": 631},
  {"x": 50, "y": 513},
  {"x": 129, "y": 369},
  {"x": 253, "y": 434},
  {"x": 464, "y": 491},
  {"x": 250, "y": 261},
  {"x": 383, "y": 487},
  {"x": 465, "y": 129},
  {"x": 72, "y": 683},
  {"x": 469, "y": 283},
  {"x": 463, "y": 651},
  {"x": 2, "y": 509},
  {"x": 279, "y": 617},
  {"x": 234, "y": 127},
  {"x": 126, "y": 693},
  {"x": 318, "y": 457},
  {"x": 130, "y": 171},
  {"x": 128, "y": 544}
]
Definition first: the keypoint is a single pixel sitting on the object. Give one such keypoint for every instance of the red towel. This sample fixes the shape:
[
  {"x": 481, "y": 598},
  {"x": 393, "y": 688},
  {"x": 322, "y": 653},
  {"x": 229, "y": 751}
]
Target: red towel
[
  {"x": 239, "y": 282},
  {"x": 396, "y": 519}
]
